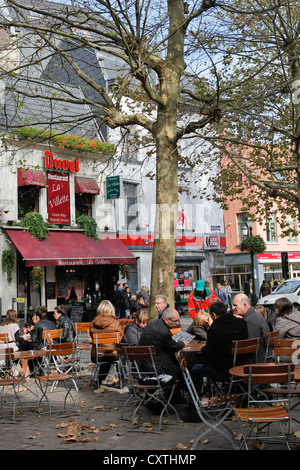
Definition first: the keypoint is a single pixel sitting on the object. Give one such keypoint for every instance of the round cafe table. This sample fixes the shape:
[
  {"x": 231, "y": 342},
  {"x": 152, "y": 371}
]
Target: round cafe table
[{"x": 238, "y": 371}]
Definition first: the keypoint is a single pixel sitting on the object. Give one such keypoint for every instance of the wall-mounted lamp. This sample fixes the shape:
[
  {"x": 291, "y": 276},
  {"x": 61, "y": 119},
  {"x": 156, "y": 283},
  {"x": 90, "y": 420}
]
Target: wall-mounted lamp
[{"x": 106, "y": 228}]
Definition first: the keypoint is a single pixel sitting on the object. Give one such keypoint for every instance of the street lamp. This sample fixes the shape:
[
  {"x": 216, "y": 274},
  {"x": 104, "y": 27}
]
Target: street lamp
[{"x": 248, "y": 227}]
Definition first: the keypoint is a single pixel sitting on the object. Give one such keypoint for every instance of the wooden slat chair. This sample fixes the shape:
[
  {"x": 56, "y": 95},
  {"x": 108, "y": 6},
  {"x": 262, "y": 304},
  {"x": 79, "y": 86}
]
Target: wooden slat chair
[
  {"x": 148, "y": 386},
  {"x": 212, "y": 411},
  {"x": 104, "y": 344},
  {"x": 8, "y": 382},
  {"x": 287, "y": 348},
  {"x": 4, "y": 338},
  {"x": 269, "y": 342},
  {"x": 239, "y": 350},
  {"x": 174, "y": 331},
  {"x": 263, "y": 411},
  {"x": 54, "y": 375},
  {"x": 65, "y": 363},
  {"x": 52, "y": 336},
  {"x": 82, "y": 331}
]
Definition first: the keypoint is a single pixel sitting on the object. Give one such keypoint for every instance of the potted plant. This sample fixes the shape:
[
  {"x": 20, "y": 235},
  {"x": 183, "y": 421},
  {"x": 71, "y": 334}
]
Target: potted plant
[
  {"x": 8, "y": 260},
  {"x": 37, "y": 275}
]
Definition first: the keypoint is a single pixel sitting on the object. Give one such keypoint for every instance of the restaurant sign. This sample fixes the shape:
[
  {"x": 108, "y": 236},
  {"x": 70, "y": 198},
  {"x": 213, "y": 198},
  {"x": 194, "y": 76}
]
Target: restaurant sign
[{"x": 58, "y": 199}]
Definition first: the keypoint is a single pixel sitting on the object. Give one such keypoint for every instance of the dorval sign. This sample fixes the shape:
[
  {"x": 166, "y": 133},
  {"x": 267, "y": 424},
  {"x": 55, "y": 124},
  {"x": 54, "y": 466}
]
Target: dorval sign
[{"x": 61, "y": 164}]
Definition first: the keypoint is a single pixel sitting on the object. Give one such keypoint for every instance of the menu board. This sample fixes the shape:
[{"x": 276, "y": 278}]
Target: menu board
[
  {"x": 51, "y": 290},
  {"x": 77, "y": 312},
  {"x": 62, "y": 287}
]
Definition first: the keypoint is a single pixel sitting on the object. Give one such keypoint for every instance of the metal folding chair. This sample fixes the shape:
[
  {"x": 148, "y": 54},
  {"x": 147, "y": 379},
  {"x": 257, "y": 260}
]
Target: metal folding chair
[
  {"x": 147, "y": 386},
  {"x": 240, "y": 350},
  {"x": 8, "y": 382},
  {"x": 270, "y": 338},
  {"x": 264, "y": 410},
  {"x": 57, "y": 376},
  {"x": 212, "y": 411},
  {"x": 51, "y": 336}
]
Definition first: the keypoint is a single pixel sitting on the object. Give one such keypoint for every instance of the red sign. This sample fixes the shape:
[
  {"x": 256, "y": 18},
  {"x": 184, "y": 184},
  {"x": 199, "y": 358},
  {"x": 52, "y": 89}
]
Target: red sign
[
  {"x": 58, "y": 199},
  {"x": 60, "y": 164}
]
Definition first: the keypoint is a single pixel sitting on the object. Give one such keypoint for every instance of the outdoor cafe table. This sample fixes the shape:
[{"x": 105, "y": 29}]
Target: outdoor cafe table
[
  {"x": 194, "y": 347},
  {"x": 31, "y": 354},
  {"x": 238, "y": 371}
]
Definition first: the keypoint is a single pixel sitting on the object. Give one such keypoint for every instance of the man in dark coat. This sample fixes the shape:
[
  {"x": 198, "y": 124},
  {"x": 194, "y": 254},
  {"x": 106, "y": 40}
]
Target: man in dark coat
[
  {"x": 120, "y": 301},
  {"x": 157, "y": 332},
  {"x": 215, "y": 358}
]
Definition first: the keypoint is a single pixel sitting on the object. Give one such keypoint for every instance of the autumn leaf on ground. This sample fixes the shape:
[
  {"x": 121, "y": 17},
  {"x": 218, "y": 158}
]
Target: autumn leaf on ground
[
  {"x": 98, "y": 407},
  {"x": 179, "y": 445}
]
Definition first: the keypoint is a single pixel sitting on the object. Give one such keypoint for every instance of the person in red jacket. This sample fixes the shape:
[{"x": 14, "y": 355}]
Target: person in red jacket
[{"x": 201, "y": 299}]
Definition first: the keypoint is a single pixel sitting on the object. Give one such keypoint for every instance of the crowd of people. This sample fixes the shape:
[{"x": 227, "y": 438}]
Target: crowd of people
[{"x": 213, "y": 321}]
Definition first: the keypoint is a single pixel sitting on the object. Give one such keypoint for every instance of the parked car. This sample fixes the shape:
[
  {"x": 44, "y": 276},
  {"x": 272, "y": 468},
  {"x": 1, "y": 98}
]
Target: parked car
[{"x": 289, "y": 289}]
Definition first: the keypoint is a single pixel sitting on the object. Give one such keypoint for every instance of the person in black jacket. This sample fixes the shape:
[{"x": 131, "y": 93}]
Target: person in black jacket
[
  {"x": 215, "y": 358},
  {"x": 40, "y": 323},
  {"x": 157, "y": 332},
  {"x": 121, "y": 301},
  {"x": 64, "y": 322}
]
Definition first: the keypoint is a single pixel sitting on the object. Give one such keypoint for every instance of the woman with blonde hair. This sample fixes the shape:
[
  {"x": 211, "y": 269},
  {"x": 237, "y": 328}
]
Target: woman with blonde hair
[
  {"x": 104, "y": 322},
  {"x": 200, "y": 325}
]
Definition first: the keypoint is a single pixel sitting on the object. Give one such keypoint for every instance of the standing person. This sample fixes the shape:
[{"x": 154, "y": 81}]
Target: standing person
[
  {"x": 228, "y": 289},
  {"x": 143, "y": 298},
  {"x": 120, "y": 301},
  {"x": 201, "y": 299},
  {"x": 104, "y": 322},
  {"x": 40, "y": 324},
  {"x": 161, "y": 304},
  {"x": 221, "y": 293},
  {"x": 64, "y": 322},
  {"x": 265, "y": 289},
  {"x": 256, "y": 324}
]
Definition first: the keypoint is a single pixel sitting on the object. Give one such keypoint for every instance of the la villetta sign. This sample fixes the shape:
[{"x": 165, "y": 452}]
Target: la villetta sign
[{"x": 61, "y": 164}]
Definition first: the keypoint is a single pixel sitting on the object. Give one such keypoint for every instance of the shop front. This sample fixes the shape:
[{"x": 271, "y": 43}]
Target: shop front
[{"x": 74, "y": 269}]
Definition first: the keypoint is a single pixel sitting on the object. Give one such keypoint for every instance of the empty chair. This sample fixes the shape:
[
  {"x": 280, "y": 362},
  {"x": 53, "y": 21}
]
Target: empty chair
[
  {"x": 148, "y": 387},
  {"x": 270, "y": 338},
  {"x": 262, "y": 410},
  {"x": 8, "y": 382},
  {"x": 57, "y": 375},
  {"x": 212, "y": 411}
]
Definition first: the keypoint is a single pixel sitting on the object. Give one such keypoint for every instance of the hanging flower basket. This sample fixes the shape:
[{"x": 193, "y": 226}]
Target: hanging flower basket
[{"x": 253, "y": 245}]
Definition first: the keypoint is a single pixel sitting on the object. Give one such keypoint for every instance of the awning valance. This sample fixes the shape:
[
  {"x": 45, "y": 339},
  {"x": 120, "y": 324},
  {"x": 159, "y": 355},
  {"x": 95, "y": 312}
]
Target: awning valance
[
  {"x": 86, "y": 185},
  {"x": 28, "y": 177},
  {"x": 70, "y": 248}
]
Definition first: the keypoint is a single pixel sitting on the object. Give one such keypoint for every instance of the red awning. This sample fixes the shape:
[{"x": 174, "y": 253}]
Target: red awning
[
  {"x": 86, "y": 185},
  {"x": 31, "y": 177},
  {"x": 70, "y": 248}
]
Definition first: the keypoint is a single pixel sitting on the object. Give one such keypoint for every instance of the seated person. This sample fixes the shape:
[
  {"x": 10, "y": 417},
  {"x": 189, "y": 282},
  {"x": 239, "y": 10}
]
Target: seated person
[
  {"x": 201, "y": 322},
  {"x": 133, "y": 331},
  {"x": 63, "y": 322},
  {"x": 215, "y": 358},
  {"x": 40, "y": 324}
]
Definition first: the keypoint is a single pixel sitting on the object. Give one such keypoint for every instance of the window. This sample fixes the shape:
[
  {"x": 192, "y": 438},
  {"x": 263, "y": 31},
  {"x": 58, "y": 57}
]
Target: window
[
  {"x": 129, "y": 148},
  {"x": 84, "y": 204},
  {"x": 292, "y": 238},
  {"x": 28, "y": 200},
  {"x": 131, "y": 209},
  {"x": 241, "y": 221},
  {"x": 271, "y": 229}
]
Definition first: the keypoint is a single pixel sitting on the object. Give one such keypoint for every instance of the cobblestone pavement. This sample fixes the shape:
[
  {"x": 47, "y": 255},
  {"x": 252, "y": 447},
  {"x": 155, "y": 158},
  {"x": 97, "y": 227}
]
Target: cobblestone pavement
[{"x": 98, "y": 426}]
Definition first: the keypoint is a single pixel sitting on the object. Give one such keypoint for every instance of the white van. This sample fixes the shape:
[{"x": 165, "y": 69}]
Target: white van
[{"x": 289, "y": 289}]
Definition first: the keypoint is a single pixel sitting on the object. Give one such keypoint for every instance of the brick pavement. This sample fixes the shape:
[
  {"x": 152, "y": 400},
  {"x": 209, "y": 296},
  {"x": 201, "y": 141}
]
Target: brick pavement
[{"x": 98, "y": 426}]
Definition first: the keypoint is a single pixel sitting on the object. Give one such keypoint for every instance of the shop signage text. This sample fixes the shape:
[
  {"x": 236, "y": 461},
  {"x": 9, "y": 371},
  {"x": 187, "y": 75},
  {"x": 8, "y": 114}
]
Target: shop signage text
[
  {"x": 58, "y": 199},
  {"x": 60, "y": 164}
]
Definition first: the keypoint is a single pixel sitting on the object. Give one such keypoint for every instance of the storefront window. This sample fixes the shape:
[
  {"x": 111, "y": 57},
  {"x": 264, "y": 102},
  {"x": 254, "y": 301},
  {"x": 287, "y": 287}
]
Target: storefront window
[
  {"x": 83, "y": 204},
  {"x": 28, "y": 200},
  {"x": 235, "y": 275}
]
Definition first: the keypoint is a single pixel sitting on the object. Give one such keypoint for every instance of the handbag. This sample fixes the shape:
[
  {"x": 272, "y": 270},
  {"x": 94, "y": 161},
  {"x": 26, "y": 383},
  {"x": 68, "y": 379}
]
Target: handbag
[{"x": 142, "y": 302}]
